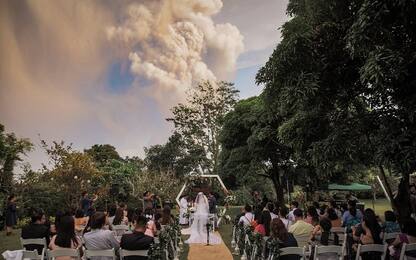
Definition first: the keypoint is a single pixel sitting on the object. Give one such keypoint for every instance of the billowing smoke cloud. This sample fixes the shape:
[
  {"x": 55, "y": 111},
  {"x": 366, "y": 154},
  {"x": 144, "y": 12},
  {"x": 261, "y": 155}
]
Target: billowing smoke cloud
[
  {"x": 55, "y": 59},
  {"x": 175, "y": 44}
]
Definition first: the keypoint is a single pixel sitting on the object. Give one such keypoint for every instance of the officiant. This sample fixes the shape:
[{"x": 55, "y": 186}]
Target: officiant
[{"x": 183, "y": 210}]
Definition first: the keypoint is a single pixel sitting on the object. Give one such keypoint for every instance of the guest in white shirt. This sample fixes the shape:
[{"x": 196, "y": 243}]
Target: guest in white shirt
[
  {"x": 293, "y": 206},
  {"x": 271, "y": 209},
  {"x": 282, "y": 216},
  {"x": 111, "y": 214},
  {"x": 99, "y": 238},
  {"x": 248, "y": 217}
]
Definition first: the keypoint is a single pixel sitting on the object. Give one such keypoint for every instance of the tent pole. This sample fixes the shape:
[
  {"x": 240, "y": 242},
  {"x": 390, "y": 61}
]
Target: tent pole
[{"x": 384, "y": 189}]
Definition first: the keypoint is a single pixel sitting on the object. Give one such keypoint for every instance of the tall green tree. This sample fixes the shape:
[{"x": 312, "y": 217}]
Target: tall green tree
[
  {"x": 71, "y": 172},
  {"x": 343, "y": 79},
  {"x": 383, "y": 39},
  {"x": 103, "y": 153},
  {"x": 250, "y": 146},
  {"x": 199, "y": 121},
  {"x": 11, "y": 150},
  {"x": 172, "y": 157}
]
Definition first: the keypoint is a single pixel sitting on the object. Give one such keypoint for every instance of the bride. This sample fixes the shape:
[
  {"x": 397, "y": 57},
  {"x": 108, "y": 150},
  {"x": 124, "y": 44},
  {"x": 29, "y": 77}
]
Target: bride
[{"x": 198, "y": 227}]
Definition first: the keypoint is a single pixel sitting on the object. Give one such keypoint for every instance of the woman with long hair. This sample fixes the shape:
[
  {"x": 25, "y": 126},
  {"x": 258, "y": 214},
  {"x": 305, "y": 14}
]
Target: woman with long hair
[
  {"x": 80, "y": 220},
  {"x": 65, "y": 237},
  {"x": 333, "y": 217},
  {"x": 120, "y": 218},
  {"x": 166, "y": 216},
  {"x": 370, "y": 233},
  {"x": 311, "y": 215},
  {"x": 279, "y": 232}
]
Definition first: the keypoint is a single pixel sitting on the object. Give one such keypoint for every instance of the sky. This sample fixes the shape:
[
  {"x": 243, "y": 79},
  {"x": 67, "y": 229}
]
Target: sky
[{"x": 108, "y": 72}]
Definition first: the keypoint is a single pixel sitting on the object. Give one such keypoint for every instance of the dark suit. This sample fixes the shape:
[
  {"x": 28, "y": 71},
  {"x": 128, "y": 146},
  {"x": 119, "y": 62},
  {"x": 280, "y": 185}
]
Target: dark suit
[
  {"x": 136, "y": 241},
  {"x": 36, "y": 231}
]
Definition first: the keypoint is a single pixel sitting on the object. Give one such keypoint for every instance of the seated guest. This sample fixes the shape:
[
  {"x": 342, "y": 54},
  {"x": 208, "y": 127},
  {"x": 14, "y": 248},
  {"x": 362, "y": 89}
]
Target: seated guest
[
  {"x": 259, "y": 226},
  {"x": 312, "y": 215},
  {"x": 333, "y": 217},
  {"x": 322, "y": 232},
  {"x": 300, "y": 227},
  {"x": 408, "y": 236},
  {"x": 282, "y": 216},
  {"x": 59, "y": 214},
  {"x": 65, "y": 238},
  {"x": 266, "y": 219},
  {"x": 167, "y": 218},
  {"x": 270, "y": 207},
  {"x": 248, "y": 217},
  {"x": 99, "y": 238},
  {"x": 352, "y": 216},
  {"x": 390, "y": 224},
  {"x": 333, "y": 205},
  {"x": 158, "y": 218},
  {"x": 80, "y": 220},
  {"x": 317, "y": 207},
  {"x": 293, "y": 206},
  {"x": 36, "y": 229},
  {"x": 370, "y": 234},
  {"x": 137, "y": 240},
  {"x": 278, "y": 231},
  {"x": 120, "y": 218},
  {"x": 111, "y": 214}
]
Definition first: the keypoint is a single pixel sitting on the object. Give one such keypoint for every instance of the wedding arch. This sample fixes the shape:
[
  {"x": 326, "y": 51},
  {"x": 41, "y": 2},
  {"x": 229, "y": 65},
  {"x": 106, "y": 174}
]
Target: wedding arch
[
  {"x": 217, "y": 177},
  {"x": 206, "y": 176}
]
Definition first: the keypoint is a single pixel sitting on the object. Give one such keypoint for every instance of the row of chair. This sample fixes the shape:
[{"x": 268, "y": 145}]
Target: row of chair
[
  {"x": 338, "y": 251},
  {"x": 51, "y": 254},
  {"x": 75, "y": 253}
]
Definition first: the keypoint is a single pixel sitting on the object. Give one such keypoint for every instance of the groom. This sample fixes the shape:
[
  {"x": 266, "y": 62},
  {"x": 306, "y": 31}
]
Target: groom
[{"x": 212, "y": 202}]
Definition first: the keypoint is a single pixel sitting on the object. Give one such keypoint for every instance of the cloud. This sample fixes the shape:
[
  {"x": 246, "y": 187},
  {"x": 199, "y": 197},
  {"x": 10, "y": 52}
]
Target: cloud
[
  {"x": 56, "y": 57},
  {"x": 175, "y": 44}
]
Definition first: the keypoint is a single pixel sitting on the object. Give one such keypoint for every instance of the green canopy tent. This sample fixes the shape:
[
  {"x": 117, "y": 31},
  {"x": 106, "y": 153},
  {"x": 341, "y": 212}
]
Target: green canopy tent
[{"x": 352, "y": 187}]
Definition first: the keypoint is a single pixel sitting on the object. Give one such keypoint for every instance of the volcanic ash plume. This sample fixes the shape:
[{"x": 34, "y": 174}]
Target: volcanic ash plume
[{"x": 174, "y": 44}]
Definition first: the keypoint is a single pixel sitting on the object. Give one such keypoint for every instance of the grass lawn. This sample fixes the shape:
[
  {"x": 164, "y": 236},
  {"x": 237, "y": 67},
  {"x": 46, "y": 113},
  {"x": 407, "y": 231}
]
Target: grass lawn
[
  {"x": 9, "y": 242},
  {"x": 380, "y": 206},
  {"x": 226, "y": 230}
]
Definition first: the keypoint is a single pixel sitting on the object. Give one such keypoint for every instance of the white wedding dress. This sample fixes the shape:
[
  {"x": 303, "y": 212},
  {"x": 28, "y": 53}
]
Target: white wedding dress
[{"x": 198, "y": 227}]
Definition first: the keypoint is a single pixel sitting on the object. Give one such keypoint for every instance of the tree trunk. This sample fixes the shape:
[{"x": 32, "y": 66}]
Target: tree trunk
[
  {"x": 275, "y": 177},
  {"x": 402, "y": 199}
]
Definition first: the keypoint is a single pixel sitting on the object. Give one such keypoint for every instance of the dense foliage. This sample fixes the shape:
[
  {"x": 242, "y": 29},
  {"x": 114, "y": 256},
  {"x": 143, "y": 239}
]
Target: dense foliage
[
  {"x": 343, "y": 78},
  {"x": 199, "y": 121}
]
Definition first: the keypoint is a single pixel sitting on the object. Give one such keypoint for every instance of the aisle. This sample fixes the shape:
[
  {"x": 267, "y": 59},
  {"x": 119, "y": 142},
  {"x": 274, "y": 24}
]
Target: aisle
[{"x": 203, "y": 252}]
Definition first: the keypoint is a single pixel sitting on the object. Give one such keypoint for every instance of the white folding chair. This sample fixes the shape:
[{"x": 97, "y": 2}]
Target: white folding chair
[
  {"x": 343, "y": 239},
  {"x": 390, "y": 236},
  {"x": 75, "y": 253},
  {"x": 338, "y": 230},
  {"x": 299, "y": 251},
  {"x": 33, "y": 241},
  {"x": 119, "y": 230},
  {"x": 105, "y": 252},
  {"x": 407, "y": 248},
  {"x": 374, "y": 248},
  {"x": 328, "y": 250},
  {"x": 124, "y": 253},
  {"x": 302, "y": 240},
  {"x": 33, "y": 254}
]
